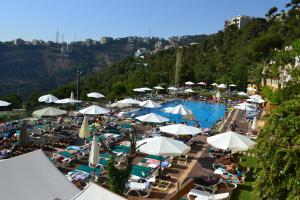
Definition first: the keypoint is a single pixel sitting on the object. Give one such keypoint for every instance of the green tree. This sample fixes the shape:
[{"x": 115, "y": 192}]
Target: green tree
[
  {"x": 15, "y": 100},
  {"x": 271, "y": 13},
  {"x": 278, "y": 152}
]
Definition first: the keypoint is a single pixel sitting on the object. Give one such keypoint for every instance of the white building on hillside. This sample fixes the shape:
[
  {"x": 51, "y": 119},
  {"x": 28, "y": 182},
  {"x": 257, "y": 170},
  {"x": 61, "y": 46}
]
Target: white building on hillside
[{"x": 240, "y": 21}]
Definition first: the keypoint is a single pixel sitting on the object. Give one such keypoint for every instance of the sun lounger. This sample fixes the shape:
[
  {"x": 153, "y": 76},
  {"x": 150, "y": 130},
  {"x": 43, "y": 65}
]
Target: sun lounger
[
  {"x": 204, "y": 195},
  {"x": 83, "y": 168},
  {"x": 161, "y": 184},
  {"x": 210, "y": 185},
  {"x": 142, "y": 189}
]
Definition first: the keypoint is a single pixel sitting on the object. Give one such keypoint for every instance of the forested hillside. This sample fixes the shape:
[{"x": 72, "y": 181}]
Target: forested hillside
[
  {"x": 30, "y": 67},
  {"x": 229, "y": 56}
]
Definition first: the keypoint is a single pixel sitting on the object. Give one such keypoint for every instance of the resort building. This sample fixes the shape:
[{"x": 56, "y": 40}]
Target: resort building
[
  {"x": 241, "y": 21},
  {"x": 105, "y": 40}
]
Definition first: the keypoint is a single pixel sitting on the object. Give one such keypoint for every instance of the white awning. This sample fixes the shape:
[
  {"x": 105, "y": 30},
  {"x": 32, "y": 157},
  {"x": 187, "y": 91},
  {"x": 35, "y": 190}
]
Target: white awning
[
  {"x": 96, "y": 192},
  {"x": 32, "y": 176}
]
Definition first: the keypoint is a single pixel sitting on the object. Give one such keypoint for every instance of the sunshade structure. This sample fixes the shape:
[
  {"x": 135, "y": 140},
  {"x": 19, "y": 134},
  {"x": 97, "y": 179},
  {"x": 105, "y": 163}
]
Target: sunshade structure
[
  {"x": 189, "y": 83},
  {"x": 222, "y": 86},
  {"x": 149, "y": 104},
  {"x": 129, "y": 101},
  {"x": 242, "y": 94},
  {"x": 180, "y": 129},
  {"x": 72, "y": 95},
  {"x": 49, "y": 98},
  {"x": 167, "y": 109},
  {"x": 163, "y": 146},
  {"x": 118, "y": 105},
  {"x": 231, "y": 140},
  {"x": 84, "y": 129},
  {"x": 214, "y": 84},
  {"x": 4, "y": 103},
  {"x": 33, "y": 176},
  {"x": 96, "y": 192},
  {"x": 246, "y": 106},
  {"x": 180, "y": 109},
  {"x": 255, "y": 96},
  {"x": 159, "y": 88},
  {"x": 255, "y": 100},
  {"x": 67, "y": 100},
  {"x": 152, "y": 118},
  {"x": 94, "y": 110},
  {"x": 201, "y": 83},
  {"x": 251, "y": 89},
  {"x": 94, "y": 153},
  {"x": 146, "y": 89},
  {"x": 189, "y": 91},
  {"x": 232, "y": 85},
  {"x": 138, "y": 90},
  {"x": 172, "y": 88},
  {"x": 49, "y": 112},
  {"x": 254, "y": 124},
  {"x": 95, "y": 95},
  {"x": 218, "y": 95}
]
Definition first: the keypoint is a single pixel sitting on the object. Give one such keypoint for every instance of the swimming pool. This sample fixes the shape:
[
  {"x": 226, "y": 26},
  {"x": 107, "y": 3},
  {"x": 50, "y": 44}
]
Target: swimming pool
[{"x": 207, "y": 114}]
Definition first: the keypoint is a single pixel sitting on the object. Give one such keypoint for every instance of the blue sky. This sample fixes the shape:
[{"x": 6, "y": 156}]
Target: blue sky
[{"x": 40, "y": 19}]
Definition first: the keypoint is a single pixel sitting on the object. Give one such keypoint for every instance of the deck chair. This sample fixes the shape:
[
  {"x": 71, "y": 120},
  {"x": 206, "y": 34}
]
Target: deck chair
[
  {"x": 181, "y": 160},
  {"x": 142, "y": 189},
  {"x": 206, "y": 185},
  {"x": 161, "y": 184},
  {"x": 204, "y": 195}
]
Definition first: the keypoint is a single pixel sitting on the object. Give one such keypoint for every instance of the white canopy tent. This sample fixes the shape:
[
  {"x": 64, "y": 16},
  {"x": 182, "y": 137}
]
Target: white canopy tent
[
  {"x": 49, "y": 98},
  {"x": 172, "y": 88},
  {"x": 251, "y": 89},
  {"x": 232, "y": 85},
  {"x": 214, "y": 84},
  {"x": 201, "y": 83},
  {"x": 146, "y": 89},
  {"x": 180, "y": 129},
  {"x": 222, "y": 86},
  {"x": 163, "y": 146},
  {"x": 67, "y": 100},
  {"x": 129, "y": 101},
  {"x": 96, "y": 192},
  {"x": 254, "y": 100},
  {"x": 95, "y": 95},
  {"x": 189, "y": 83},
  {"x": 180, "y": 109},
  {"x": 84, "y": 129},
  {"x": 242, "y": 94},
  {"x": 118, "y": 105},
  {"x": 138, "y": 90},
  {"x": 246, "y": 106},
  {"x": 94, "y": 153},
  {"x": 254, "y": 124},
  {"x": 94, "y": 110},
  {"x": 189, "y": 91},
  {"x": 231, "y": 140},
  {"x": 32, "y": 176},
  {"x": 49, "y": 112},
  {"x": 4, "y": 103},
  {"x": 158, "y": 87},
  {"x": 152, "y": 118},
  {"x": 149, "y": 104},
  {"x": 255, "y": 96},
  {"x": 72, "y": 95}
]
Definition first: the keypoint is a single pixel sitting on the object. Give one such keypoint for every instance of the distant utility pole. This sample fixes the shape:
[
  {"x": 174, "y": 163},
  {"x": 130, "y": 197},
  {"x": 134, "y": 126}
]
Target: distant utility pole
[
  {"x": 78, "y": 82},
  {"x": 57, "y": 37}
]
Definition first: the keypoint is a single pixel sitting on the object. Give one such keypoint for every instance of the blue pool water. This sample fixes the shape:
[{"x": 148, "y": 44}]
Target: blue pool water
[{"x": 205, "y": 113}]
